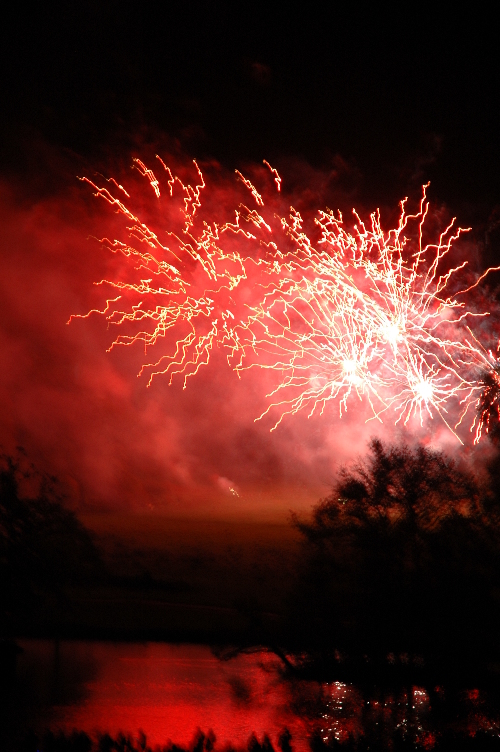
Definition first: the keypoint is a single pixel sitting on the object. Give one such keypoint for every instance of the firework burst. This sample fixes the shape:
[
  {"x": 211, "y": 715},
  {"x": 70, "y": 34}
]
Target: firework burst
[{"x": 379, "y": 316}]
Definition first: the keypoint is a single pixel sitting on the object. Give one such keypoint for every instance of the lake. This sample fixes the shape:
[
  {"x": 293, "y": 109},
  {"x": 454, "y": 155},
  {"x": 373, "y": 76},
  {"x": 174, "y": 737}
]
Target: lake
[{"x": 169, "y": 691}]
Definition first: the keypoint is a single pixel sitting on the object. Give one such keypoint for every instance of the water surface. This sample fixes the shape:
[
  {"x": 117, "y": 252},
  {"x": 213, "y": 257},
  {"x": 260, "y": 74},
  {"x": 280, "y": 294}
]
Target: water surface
[{"x": 169, "y": 691}]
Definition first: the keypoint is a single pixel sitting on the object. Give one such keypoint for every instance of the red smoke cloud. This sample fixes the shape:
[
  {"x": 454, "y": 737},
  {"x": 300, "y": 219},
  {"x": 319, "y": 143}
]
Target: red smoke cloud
[{"x": 81, "y": 413}]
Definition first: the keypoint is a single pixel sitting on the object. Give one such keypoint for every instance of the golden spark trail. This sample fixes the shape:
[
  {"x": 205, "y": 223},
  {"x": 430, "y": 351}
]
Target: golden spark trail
[
  {"x": 168, "y": 275},
  {"x": 361, "y": 313}
]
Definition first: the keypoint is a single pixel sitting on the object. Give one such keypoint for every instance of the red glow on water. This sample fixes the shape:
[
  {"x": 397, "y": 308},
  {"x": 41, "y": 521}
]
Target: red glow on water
[{"x": 170, "y": 691}]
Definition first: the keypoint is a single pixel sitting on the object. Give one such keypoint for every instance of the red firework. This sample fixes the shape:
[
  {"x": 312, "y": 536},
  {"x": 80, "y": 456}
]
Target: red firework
[{"x": 378, "y": 315}]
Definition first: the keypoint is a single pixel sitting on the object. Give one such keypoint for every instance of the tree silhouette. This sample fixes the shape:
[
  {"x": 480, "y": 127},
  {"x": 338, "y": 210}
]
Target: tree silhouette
[
  {"x": 401, "y": 556},
  {"x": 396, "y": 488},
  {"x": 43, "y": 546}
]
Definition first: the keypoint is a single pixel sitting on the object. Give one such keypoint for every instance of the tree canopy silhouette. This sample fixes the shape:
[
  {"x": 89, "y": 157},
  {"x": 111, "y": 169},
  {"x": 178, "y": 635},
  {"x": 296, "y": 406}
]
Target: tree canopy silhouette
[
  {"x": 43, "y": 546},
  {"x": 402, "y": 555},
  {"x": 396, "y": 488}
]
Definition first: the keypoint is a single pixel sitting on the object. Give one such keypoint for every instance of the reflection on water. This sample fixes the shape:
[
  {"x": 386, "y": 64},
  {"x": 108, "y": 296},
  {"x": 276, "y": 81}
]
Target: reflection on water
[
  {"x": 342, "y": 716},
  {"x": 171, "y": 690},
  {"x": 166, "y": 690}
]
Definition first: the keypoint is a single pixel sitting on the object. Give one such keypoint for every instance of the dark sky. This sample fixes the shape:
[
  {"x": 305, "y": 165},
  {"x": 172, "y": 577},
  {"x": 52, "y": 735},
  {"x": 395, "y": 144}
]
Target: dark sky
[
  {"x": 397, "y": 92},
  {"x": 357, "y": 104}
]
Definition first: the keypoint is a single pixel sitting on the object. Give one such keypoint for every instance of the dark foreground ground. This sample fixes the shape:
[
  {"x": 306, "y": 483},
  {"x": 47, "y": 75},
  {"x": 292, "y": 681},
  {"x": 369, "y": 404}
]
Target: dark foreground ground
[
  {"x": 244, "y": 583},
  {"x": 444, "y": 741},
  {"x": 199, "y": 581}
]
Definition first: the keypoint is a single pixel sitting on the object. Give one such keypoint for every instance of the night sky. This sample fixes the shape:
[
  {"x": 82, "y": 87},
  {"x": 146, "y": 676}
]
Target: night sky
[{"x": 355, "y": 107}]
